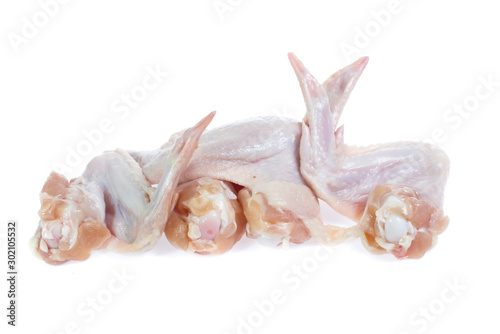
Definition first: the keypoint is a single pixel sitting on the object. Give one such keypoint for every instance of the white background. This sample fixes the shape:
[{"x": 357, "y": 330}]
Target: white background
[{"x": 424, "y": 59}]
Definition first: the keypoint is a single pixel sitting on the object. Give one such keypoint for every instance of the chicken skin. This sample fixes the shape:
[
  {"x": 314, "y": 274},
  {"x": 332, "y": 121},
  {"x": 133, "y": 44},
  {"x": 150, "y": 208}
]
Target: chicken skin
[
  {"x": 263, "y": 176},
  {"x": 111, "y": 205}
]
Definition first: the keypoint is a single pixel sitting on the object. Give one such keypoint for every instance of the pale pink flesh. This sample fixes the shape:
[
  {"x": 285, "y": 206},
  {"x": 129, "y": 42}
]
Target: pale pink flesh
[
  {"x": 113, "y": 196},
  {"x": 155, "y": 214},
  {"x": 344, "y": 176},
  {"x": 288, "y": 163},
  {"x": 259, "y": 152},
  {"x": 207, "y": 217}
]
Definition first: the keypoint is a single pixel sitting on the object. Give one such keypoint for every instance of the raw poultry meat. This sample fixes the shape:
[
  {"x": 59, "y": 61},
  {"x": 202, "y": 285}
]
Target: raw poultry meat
[
  {"x": 111, "y": 205},
  {"x": 403, "y": 183},
  {"x": 207, "y": 219},
  {"x": 278, "y": 161},
  {"x": 272, "y": 169},
  {"x": 261, "y": 155}
]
